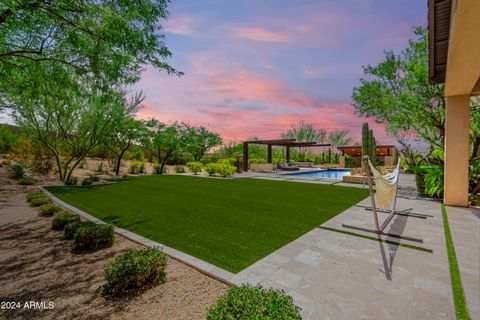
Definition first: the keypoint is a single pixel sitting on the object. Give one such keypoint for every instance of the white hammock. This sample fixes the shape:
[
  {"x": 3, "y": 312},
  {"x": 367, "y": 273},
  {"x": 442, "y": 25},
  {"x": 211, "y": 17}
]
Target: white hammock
[{"x": 386, "y": 186}]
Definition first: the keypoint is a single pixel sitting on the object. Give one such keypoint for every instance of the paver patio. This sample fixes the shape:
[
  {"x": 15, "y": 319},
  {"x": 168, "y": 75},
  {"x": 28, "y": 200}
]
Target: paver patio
[{"x": 332, "y": 275}]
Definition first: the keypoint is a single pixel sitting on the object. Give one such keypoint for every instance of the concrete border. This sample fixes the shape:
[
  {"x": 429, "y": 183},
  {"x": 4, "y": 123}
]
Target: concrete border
[{"x": 202, "y": 266}]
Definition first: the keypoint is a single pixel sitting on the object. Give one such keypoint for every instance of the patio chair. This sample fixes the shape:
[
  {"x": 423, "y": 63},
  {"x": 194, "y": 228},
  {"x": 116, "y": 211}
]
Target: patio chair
[
  {"x": 386, "y": 191},
  {"x": 287, "y": 167}
]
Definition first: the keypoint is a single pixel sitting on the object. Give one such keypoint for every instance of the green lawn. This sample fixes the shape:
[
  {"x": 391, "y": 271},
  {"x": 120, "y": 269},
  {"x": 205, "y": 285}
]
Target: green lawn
[{"x": 230, "y": 223}]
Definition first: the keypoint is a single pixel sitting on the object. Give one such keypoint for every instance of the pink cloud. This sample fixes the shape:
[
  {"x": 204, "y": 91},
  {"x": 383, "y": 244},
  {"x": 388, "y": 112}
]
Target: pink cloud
[
  {"x": 260, "y": 34},
  {"x": 180, "y": 24}
]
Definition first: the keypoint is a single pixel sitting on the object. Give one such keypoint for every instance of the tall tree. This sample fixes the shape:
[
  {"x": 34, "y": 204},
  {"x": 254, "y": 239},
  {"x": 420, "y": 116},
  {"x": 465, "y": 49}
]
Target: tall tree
[
  {"x": 127, "y": 130},
  {"x": 305, "y": 132},
  {"x": 339, "y": 138},
  {"x": 68, "y": 119},
  {"x": 199, "y": 140},
  {"x": 106, "y": 39},
  {"x": 164, "y": 141}
]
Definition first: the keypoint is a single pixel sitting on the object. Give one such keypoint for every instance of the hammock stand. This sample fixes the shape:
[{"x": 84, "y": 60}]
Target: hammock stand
[{"x": 392, "y": 178}]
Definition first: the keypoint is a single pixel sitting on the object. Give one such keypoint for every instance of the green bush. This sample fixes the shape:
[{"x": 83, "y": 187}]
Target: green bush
[
  {"x": 40, "y": 201},
  {"x": 226, "y": 170},
  {"x": 133, "y": 270},
  {"x": 157, "y": 167},
  {"x": 82, "y": 164},
  {"x": 248, "y": 302},
  {"x": 87, "y": 181},
  {"x": 136, "y": 167},
  {"x": 179, "y": 169},
  {"x": 18, "y": 171},
  {"x": 100, "y": 167},
  {"x": 70, "y": 228},
  {"x": 230, "y": 161},
  {"x": 420, "y": 173},
  {"x": 34, "y": 194},
  {"x": 92, "y": 237},
  {"x": 48, "y": 210},
  {"x": 250, "y": 161},
  {"x": 195, "y": 167},
  {"x": 8, "y": 139},
  {"x": 26, "y": 181},
  {"x": 62, "y": 219},
  {"x": 211, "y": 168},
  {"x": 433, "y": 182},
  {"x": 72, "y": 181}
]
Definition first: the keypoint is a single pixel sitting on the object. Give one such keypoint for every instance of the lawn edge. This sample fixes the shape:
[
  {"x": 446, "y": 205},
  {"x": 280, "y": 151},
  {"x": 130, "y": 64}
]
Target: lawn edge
[
  {"x": 461, "y": 307},
  {"x": 196, "y": 263}
]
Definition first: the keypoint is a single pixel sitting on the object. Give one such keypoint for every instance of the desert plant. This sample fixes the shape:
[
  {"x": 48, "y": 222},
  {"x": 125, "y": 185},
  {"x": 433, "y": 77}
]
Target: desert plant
[
  {"x": 34, "y": 194},
  {"x": 136, "y": 167},
  {"x": 134, "y": 269},
  {"x": 195, "y": 167},
  {"x": 82, "y": 164},
  {"x": 72, "y": 181},
  {"x": 179, "y": 169},
  {"x": 230, "y": 161},
  {"x": 26, "y": 181},
  {"x": 247, "y": 302},
  {"x": 211, "y": 168},
  {"x": 70, "y": 228},
  {"x": 93, "y": 237},
  {"x": 48, "y": 210},
  {"x": 87, "y": 181},
  {"x": 100, "y": 167},
  {"x": 63, "y": 218},
  {"x": 225, "y": 170},
  {"x": 40, "y": 201},
  {"x": 18, "y": 171}
]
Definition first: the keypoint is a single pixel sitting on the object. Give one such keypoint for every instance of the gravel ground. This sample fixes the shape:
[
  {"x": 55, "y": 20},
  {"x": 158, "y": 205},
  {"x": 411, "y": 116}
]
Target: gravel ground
[{"x": 36, "y": 265}]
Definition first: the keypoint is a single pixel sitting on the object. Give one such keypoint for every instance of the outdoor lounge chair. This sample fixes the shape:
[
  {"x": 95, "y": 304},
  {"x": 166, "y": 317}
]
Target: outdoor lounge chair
[{"x": 287, "y": 167}]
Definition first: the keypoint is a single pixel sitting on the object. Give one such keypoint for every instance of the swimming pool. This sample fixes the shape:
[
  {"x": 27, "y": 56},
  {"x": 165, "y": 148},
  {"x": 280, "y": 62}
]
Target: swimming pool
[{"x": 329, "y": 174}]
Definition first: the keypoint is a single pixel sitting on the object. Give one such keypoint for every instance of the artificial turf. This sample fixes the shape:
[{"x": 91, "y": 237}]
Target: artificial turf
[{"x": 230, "y": 223}]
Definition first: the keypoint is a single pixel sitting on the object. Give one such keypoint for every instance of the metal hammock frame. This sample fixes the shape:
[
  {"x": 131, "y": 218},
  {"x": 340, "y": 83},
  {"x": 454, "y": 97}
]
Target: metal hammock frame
[{"x": 380, "y": 229}]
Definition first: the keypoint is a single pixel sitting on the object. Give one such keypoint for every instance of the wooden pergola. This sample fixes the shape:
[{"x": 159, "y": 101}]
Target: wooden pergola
[{"x": 287, "y": 143}]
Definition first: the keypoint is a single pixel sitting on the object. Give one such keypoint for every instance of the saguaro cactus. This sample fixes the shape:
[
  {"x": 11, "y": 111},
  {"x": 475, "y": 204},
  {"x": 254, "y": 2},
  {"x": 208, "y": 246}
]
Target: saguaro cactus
[{"x": 369, "y": 145}]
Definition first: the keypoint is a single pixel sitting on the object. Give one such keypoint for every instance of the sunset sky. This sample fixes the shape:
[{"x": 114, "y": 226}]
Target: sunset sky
[{"x": 253, "y": 68}]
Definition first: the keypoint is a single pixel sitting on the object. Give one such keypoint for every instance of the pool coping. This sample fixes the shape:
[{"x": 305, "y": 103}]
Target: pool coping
[{"x": 200, "y": 265}]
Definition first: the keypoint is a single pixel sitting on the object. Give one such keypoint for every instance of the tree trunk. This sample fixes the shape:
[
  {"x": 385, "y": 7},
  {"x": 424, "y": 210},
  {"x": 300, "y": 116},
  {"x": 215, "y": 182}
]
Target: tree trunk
[{"x": 117, "y": 169}]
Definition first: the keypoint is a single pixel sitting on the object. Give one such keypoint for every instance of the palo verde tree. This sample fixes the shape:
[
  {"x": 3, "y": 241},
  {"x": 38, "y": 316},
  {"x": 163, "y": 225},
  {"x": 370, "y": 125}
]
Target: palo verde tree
[
  {"x": 127, "y": 131},
  {"x": 68, "y": 119},
  {"x": 164, "y": 140},
  {"x": 109, "y": 40},
  {"x": 199, "y": 140}
]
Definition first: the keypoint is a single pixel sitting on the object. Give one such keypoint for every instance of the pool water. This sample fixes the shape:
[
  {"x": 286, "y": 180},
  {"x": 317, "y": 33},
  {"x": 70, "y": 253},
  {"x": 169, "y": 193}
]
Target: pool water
[{"x": 329, "y": 174}]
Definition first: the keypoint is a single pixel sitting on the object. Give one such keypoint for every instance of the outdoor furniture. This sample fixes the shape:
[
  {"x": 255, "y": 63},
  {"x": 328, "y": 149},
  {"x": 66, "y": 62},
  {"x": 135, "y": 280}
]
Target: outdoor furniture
[
  {"x": 304, "y": 164},
  {"x": 287, "y": 167},
  {"x": 262, "y": 167},
  {"x": 386, "y": 191}
]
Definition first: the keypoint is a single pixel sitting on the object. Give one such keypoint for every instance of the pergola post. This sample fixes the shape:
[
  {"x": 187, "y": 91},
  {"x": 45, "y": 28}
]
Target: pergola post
[
  {"x": 245, "y": 157},
  {"x": 457, "y": 150},
  {"x": 269, "y": 153},
  {"x": 287, "y": 154}
]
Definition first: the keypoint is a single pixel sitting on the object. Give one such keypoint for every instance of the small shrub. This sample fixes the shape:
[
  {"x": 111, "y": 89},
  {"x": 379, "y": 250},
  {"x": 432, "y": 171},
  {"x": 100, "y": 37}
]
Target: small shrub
[
  {"x": 137, "y": 167},
  {"x": 87, "y": 181},
  {"x": 42, "y": 165},
  {"x": 100, "y": 167},
  {"x": 248, "y": 302},
  {"x": 157, "y": 167},
  {"x": 195, "y": 167},
  {"x": 70, "y": 228},
  {"x": 62, "y": 219},
  {"x": 18, "y": 171},
  {"x": 48, "y": 210},
  {"x": 40, "y": 201},
  {"x": 6, "y": 162},
  {"x": 434, "y": 182},
  {"x": 34, "y": 194},
  {"x": 230, "y": 161},
  {"x": 95, "y": 178},
  {"x": 134, "y": 269},
  {"x": 72, "y": 181},
  {"x": 211, "y": 168},
  {"x": 179, "y": 169},
  {"x": 26, "y": 181},
  {"x": 82, "y": 164},
  {"x": 250, "y": 161},
  {"x": 93, "y": 237},
  {"x": 226, "y": 170}
]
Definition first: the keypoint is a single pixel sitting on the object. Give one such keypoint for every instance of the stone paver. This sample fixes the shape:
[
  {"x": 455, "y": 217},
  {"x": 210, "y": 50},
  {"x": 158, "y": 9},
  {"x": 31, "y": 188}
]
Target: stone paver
[{"x": 331, "y": 275}]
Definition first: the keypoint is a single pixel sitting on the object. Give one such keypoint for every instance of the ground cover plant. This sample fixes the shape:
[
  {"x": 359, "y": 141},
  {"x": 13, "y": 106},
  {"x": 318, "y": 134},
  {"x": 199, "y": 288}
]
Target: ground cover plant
[
  {"x": 92, "y": 237},
  {"x": 230, "y": 223},
  {"x": 62, "y": 219},
  {"x": 134, "y": 269},
  {"x": 48, "y": 210},
  {"x": 248, "y": 302}
]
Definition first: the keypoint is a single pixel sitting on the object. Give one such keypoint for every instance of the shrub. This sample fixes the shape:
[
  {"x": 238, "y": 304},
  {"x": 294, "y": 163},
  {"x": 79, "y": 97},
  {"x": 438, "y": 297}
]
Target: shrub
[
  {"x": 420, "y": 173},
  {"x": 92, "y": 237},
  {"x": 82, "y": 164},
  {"x": 134, "y": 269},
  {"x": 62, "y": 219},
  {"x": 40, "y": 201},
  {"x": 72, "y": 181},
  {"x": 226, "y": 170},
  {"x": 70, "y": 228},
  {"x": 433, "y": 181},
  {"x": 18, "y": 171},
  {"x": 230, "y": 161},
  {"x": 48, "y": 210},
  {"x": 100, "y": 167},
  {"x": 26, "y": 181},
  {"x": 211, "y": 168},
  {"x": 6, "y": 162},
  {"x": 8, "y": 139},
  {"x": 247, "y": 302},
  {"x": 250, "y": 161},
  {"x": 137, "y": 167},
  {"x": 87, "y": 181},
  {"x": 195, "y": 167},
  {"x": 157, "y": 168},
  {"x": 179, "y": 169},
  {"x": 34, "y": 194}
]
